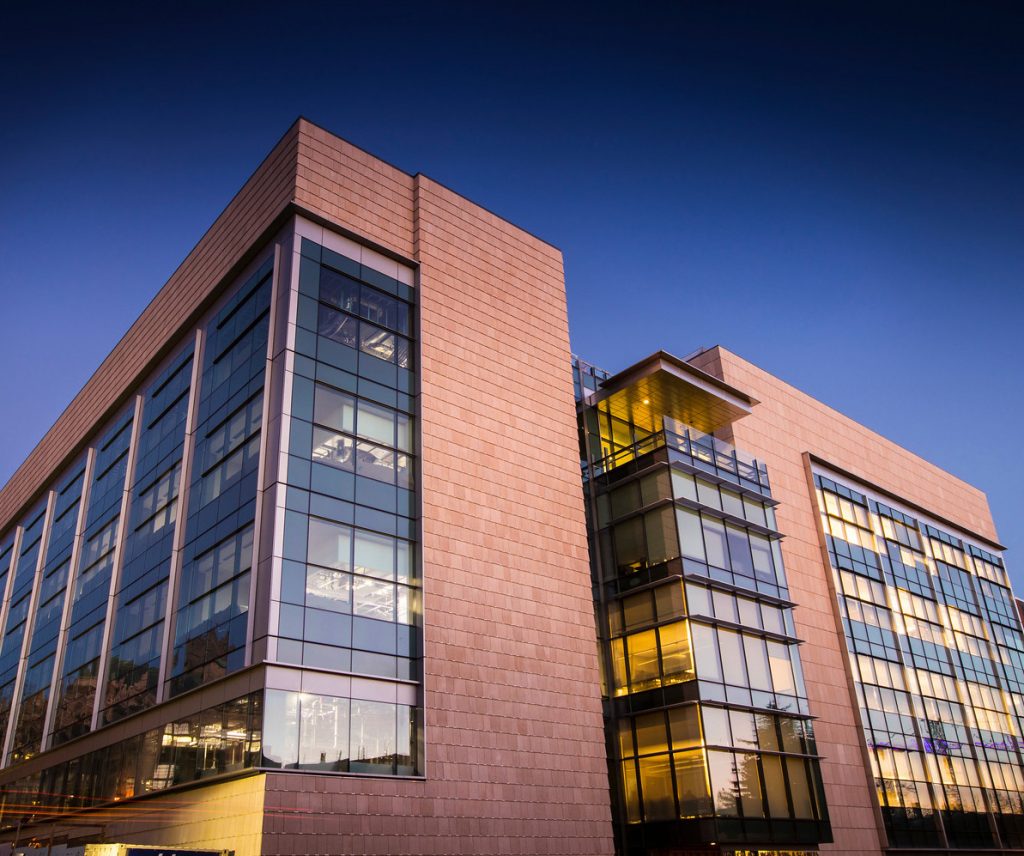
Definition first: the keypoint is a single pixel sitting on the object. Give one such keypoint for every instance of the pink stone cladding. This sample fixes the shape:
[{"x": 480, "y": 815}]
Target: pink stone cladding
[
  {"x": 784, "y": 426},
  {"x": 514, "y": 736}
]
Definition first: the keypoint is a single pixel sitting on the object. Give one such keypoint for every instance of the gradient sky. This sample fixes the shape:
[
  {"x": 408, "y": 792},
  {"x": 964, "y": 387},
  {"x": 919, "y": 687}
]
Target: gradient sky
[{"x": 833, "y": 190}]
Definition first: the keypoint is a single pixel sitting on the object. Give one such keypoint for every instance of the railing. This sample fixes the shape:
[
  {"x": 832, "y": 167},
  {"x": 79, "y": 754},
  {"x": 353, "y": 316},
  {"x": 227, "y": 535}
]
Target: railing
[
  {"x": 699, "y": 450},
  {"x": 718, "y": 457}
]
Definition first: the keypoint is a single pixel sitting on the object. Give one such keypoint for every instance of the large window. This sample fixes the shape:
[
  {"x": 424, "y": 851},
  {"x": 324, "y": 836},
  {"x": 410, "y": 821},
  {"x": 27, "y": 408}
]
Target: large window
[
  {"x": 934, "y": 652},
  {"x": 304, "y": 731},
  {"x": 213, "y": 588}
]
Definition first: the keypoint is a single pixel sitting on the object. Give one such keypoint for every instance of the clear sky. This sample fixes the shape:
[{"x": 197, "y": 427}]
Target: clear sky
[{"x": 833, "y": 190}]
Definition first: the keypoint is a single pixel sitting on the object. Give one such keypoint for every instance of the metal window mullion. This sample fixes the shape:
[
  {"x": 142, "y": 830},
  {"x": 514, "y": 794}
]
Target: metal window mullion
[
  {"x": 62, "y": 635},
  {"x": 181, "y": 518},
  {"x": 118, "y": 557},
  {"x": 30, "y": 623},
  {"x": 265, "y": 451}
]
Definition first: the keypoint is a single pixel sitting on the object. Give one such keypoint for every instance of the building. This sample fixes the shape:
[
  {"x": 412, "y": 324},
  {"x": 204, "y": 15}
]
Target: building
[
  {"x": 245, "y": 498},
  {"x": 910, "y": 663},
  {"x": 304, "y": 568}
]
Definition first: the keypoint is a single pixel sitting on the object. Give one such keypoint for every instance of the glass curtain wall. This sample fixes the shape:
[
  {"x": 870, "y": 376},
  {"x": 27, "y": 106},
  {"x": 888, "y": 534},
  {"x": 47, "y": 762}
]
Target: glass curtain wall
[
  {"x": 122, "y": 510},
  {"x": 213, "y": 590},
  {"x": 137, "y": 642},
  {"x": 349, "y": 599},
  {"x": 19, "y": 599},
  {"x": 710, "y": 737},
  {"x": 76, "y": 688},
  {"x": 30, "y": 718},
  {"x": 935, "y": 647}
]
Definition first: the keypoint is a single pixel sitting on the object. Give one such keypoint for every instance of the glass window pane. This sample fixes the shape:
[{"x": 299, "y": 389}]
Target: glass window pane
[
  {"x": 406, "y": 748},
  {"x": 374, "y": 554},
  {"x": 323, "y": 733},
  {"x": 757, "y": 663},
  {"x": 705, "y": 648},
  {"x": 716, "y": 726},
  {"x": 723, "y": 783},
  {"x": 743, "y": 733},
  {"x": 683, "y": 486},
  {"x": 403, "y": 356},
  {"x": 625, "y": 499},
  {"x": 637, "y": 610},
  {"x": 691, "y": 540},
  {"x": 725, "y": 606},
  {"x": 732, "y": 657},
  {"x": 330, "y": 544},
  {"x": 404, "y": 438},
  {"x": 626, "y": 749},
  {"x": 650, "y": 734},
  {"x": 732, "y": 503},
  {"x": 771, "y": 616},
  {"x": 750, "y": 616},
  {"x": 662, "y": 543},
  {"x": 373, "y": 598},
  {"x": 373, "y": 736},
  {"x": 798, "y": 786},
  {"x": 739, "y": 551},
  {"x": 630, "y": 550},
  {"x": 775, "y": 786},
  {"x": 782, "y": 672},
  {"x": 749, "y": 784},
  {"x": 377, "y": 342},
  {"x": 676, "y": 660},
  {"x": 375, "y": 462},
  {"x": 643, "y": 661},
  {"x": 328, "y": 589},
  {"x": 619, "y": 666},
  {"x": 692, "y": 785},
  {"x": 656, "y": 787},
  {"x": 339, "y": 290},
  {"x": 762, "y": 556},
  {"x": 714, "y": 540},
  {"x": 669, "y": 601},
  {"x": 698, "y": 600},
  {"x": 754, "y": 511},
  {"x": 766, "y": 735},
  {"x": 379, "y": 308},
  {"x": 405, "y": 560},
  {"x": 280, "y": 729},
  {"x": 376, "y": 423},
  {"x": 684, "y": 726},
  {"x": 707, "y": 494},
  {"x": 654, "y": 487},
  {"x": 334, "y": 409},
  {"x": 631, "y": 795},
  {"x": 792, "y": 734},
  {"x": 334, "y": 449},
  {"x": 337, "y": 326}
]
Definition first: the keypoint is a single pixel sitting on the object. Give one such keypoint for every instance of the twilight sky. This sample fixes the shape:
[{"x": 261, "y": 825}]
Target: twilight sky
[{"x": 834, "y": 190}]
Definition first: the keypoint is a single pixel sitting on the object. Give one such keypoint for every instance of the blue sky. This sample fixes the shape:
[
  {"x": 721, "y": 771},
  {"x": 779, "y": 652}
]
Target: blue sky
[{"x": 833, "y": 190}]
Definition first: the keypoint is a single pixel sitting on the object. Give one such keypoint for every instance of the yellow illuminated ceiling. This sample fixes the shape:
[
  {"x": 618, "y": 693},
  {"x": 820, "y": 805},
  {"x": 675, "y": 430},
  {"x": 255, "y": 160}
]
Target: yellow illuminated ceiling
[{"x": 663, "y": 385}]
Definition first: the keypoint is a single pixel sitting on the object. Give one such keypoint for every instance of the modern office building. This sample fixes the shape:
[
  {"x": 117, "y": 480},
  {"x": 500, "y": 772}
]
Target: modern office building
[
  {"x": 853, "y": 684},
  {"x": 304, "y": 568}
]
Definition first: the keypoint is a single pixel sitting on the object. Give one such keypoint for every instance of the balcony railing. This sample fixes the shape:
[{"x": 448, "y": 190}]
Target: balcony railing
[{"x": 699, "y": 450}]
